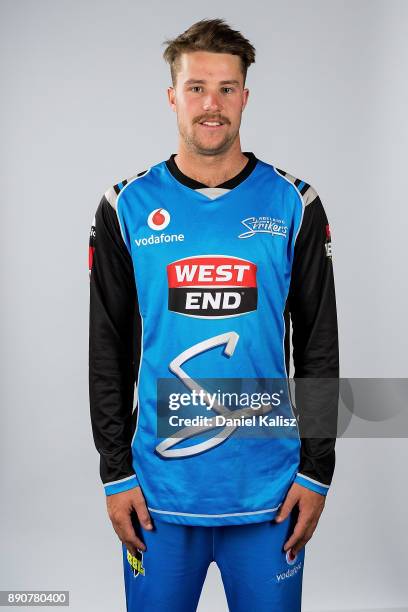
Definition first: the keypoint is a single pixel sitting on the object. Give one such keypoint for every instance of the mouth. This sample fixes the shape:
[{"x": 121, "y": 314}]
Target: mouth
[{"x": 211, "y": 125}]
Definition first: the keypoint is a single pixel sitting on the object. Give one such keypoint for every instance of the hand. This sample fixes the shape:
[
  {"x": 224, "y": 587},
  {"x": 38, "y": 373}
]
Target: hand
[
  {"x": 311, "y": 506},
  {"x": 120, "y": 507}
]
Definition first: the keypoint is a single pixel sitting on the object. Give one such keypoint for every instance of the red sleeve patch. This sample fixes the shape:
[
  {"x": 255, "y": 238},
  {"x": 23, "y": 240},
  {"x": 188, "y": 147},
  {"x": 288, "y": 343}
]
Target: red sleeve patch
[{"x": 91, "y": 249}]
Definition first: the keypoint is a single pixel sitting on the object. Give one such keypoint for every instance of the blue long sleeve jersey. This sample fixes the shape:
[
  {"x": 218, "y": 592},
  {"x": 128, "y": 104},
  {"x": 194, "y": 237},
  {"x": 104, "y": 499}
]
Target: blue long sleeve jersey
[{"x": 205, "y": 281}]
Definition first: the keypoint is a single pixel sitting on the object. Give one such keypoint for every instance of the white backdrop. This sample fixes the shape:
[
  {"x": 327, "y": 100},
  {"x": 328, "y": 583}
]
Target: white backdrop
[{"x": 83, "y": 106}]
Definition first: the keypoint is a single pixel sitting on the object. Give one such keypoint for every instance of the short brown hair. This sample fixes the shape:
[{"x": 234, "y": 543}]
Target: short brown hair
[{"x": 209, "y": 35}]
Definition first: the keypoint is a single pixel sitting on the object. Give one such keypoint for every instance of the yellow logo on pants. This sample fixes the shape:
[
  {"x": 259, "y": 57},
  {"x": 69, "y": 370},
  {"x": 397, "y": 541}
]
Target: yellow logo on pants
[{"x": 136, "y": 563}]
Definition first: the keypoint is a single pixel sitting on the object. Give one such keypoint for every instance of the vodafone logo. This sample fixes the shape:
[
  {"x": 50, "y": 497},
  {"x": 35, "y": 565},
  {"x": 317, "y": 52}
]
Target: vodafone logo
[
  {"x": 212, "y": 286},
  {"x": 289, "y": 560},
  {"x": 158, "y": 219}
]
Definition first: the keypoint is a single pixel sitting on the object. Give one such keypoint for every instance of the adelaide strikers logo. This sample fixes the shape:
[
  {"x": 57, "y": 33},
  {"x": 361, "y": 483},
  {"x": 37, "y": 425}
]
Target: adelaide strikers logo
[
  {"x": 264, "y": 225},
  {"x": 158, "y": 219}
]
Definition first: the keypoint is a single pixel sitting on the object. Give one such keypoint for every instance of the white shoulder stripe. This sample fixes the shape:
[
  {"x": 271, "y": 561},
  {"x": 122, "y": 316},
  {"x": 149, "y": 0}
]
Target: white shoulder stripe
[
  {"x": 111, "y": 194},
  {"x": 310, "y": 194},
  {"x": 113, "y": 198}
]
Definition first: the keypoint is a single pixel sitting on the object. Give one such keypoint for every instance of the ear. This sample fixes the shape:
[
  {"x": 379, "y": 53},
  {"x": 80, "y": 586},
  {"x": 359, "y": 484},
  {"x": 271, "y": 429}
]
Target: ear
[
  {"x": 245, "y": 95},
  {"x": 171, "y": 95}
]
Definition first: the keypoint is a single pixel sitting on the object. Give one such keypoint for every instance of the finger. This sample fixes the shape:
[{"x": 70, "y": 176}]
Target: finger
[
  {"x": 295, "y": 549},
  {"x": 134, "y": 545},
  {"x": 123, "y": 526},
  {"x": 131, "y": 540},
  {"x": 143, "y": 514},
  {"x": 298, "y": 533}
]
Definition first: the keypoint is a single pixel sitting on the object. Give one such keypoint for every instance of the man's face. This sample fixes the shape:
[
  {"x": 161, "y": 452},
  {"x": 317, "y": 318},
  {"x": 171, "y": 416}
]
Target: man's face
[{"x": 209, "y": 88}]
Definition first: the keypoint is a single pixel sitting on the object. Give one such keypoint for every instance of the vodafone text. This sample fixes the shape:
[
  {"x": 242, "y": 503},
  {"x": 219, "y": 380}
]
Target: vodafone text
[
  {"x": 289, "y": 572},
  {"x": 159, "y": 239}
]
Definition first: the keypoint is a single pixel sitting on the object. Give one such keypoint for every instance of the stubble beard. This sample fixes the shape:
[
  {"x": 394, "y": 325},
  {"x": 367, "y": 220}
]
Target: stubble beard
[{"x": 195, "y": 145}]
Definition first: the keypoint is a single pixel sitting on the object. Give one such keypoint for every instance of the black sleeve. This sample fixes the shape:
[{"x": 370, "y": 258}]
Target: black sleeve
[
  {"x": 114, "y": 349},
  {"x": 312, "y": 307}
]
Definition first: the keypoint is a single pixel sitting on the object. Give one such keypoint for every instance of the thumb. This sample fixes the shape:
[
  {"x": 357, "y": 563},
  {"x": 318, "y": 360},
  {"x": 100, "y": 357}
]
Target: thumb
[{"x": 286, "y": 508}]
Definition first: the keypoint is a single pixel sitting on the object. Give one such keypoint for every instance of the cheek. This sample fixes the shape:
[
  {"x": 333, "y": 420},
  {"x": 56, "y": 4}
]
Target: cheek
[
  {"x": 236, "y": 108},
  {"x": 232, "y": 109},
  {"x": 188, "y": 109}
]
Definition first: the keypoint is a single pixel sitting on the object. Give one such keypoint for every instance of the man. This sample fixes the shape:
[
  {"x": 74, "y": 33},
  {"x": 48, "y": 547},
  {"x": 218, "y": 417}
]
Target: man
[{"x": 197, "y": 266}]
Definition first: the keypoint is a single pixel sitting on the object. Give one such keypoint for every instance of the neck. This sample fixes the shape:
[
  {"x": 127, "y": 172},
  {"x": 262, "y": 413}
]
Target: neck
[{"x": 211, "y": 170}]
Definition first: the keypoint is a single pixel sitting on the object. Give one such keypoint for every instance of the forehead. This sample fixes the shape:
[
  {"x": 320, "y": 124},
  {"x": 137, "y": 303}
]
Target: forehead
[{"x": 206, "y": 65}]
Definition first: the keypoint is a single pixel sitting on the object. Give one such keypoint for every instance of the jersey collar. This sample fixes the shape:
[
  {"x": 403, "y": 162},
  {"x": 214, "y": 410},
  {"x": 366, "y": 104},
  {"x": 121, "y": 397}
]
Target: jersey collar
[{"x": 229, "y": 184}]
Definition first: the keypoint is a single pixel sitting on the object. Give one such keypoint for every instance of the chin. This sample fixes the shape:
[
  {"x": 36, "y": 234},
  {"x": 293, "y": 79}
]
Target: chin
[
  {"x": 211, "y": 147},
  {"x": 210, "y": 150}
]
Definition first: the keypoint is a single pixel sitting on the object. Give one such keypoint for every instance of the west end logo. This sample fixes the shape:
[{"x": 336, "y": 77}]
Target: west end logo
[
  {"x": 212, "y": 286},
  {"x": 264, "y": 225}
]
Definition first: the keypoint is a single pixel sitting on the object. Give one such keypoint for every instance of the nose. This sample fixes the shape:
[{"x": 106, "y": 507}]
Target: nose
[{"x": 212, "y": 102}]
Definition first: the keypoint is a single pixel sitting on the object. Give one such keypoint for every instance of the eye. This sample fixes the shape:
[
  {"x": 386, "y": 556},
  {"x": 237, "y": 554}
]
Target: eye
[
  {"x": 230, "y": 89},
  {"x": 195, "y": 87}
]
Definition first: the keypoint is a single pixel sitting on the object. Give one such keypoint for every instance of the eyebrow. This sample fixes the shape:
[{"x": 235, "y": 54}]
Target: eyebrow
[{"x": 228, "y": 81}]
